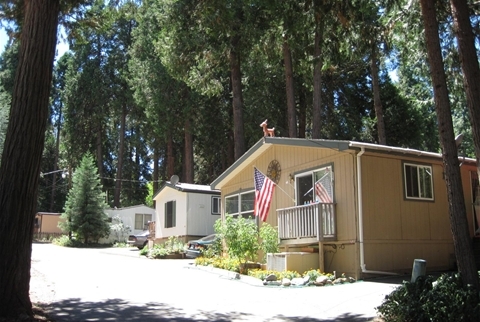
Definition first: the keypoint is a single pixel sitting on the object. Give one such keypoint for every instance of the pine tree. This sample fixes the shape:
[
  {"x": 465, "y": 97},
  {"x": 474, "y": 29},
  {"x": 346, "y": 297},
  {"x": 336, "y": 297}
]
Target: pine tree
[{"x": 84, "y": 210}]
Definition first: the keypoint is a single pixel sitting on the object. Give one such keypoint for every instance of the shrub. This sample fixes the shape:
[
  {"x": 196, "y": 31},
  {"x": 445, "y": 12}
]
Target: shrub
[
  {"x": 174, "y": 245},
  {"x": 144, "y": 251},
  {"x": 313, "y": 274},
  {"x": 262, "y": 274},
  {"x": 269, "y": 243},
  {"x": 444, "y": 299},
  {"x": 158, "y": 251},
  {"x": 65, "y": 241},
  {"x": 289, "y": 274},
  {"x": 240, "y": 236}
]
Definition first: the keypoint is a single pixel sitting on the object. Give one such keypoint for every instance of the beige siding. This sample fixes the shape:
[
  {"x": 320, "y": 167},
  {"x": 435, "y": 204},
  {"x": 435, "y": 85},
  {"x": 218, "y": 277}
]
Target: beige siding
[
  {"x": 295, "y": 160},
  {"x": 396, "y": 230},
  {"x": 50, "y": 223}
]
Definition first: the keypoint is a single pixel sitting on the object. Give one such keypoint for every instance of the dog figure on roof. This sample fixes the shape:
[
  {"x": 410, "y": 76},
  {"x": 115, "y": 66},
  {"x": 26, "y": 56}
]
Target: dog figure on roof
[{"x": 267, "y": 131}]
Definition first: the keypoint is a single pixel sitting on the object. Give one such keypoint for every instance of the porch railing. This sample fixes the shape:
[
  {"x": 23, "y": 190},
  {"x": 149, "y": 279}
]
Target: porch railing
[{"x": 315, "y": 220}]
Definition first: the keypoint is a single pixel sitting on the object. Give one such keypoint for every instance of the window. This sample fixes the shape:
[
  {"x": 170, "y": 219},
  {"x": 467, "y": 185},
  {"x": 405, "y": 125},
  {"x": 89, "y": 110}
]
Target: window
[
  {"x": 418, "y": 181},
  {"x": 215, "y": 205},
  {"x": 240, "y": 204},
  {"x": 170, "y": 217},
  {"x": 315, "y": 186},
  {"x": 142, "y": 220}
]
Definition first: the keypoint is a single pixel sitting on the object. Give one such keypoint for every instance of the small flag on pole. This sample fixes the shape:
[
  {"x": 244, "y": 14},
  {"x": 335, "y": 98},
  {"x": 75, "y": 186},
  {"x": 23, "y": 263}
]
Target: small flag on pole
[
  {"x": 263, "y": 194},
  {"x": 322, "y": 193}
]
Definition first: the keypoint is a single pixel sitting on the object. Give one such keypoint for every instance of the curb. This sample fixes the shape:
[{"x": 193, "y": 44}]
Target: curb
[{"x": 227, "y": 274}]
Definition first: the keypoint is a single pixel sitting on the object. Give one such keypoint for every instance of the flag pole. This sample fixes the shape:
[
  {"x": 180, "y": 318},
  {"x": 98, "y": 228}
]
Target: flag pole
[
  {"x": 276, "y": 185},
  {"x": 285, "y": 193}
]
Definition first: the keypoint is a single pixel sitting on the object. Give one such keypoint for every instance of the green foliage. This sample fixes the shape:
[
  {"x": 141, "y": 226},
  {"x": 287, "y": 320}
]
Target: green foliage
[
  {"x": 119, "y": 229},
  {"x": 269, "y": 240},
  {"x": 65, "y": 241},
  {"x": 313, "y": 274},
  {"x": 149, "y": 197},
  {"x": 240, "y": 236},
  {"x": 174, "y": 245},
  {"x": 444, "y": 299},
  {"x": 84, "y": 210},
  {"x": 158, "y": 251},
  {"x": 262, "y": 274},
  {"x": 144, "y": 251},
  {"x": 230, "y": 264}
]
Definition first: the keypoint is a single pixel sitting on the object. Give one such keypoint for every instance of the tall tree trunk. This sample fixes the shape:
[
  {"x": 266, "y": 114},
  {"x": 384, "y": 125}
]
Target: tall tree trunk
[
  {"x": 121, "y": 157},
  {"x": 156, "y": 159},
  {"x": 302, "y": 110},
  {"x": 470, "y": 68},
  {"x": 99, "y": 151},
  {"x": 22, "y": 153},
  {"x": 317, "y": 74},
  {"x": 291, "y": 112},
  {"x": 377, "y": 103},
  {"x": 188, "y": 152},
  {"x": 156, "y": 175},
  {"x": 237, "y": 102},
  {"x": 55, "y": 163},
  {"x": 458, "y": 215},
  {"x": 170, "y": 156}
]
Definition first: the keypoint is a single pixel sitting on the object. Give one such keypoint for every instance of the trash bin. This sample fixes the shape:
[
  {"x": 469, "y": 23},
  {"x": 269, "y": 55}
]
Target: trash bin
[{"x": 419, "y": 269}]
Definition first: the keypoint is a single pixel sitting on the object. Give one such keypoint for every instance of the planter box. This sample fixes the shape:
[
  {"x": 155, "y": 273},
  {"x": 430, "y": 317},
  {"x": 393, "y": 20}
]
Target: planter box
[{"x": 175, "y": 256}]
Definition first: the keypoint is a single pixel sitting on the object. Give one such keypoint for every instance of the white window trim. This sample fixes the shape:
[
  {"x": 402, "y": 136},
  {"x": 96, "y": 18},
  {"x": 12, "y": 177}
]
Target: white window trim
[
  {"x": 238, "y": 195},
  {"x": 418, "y": 166},
  {"x": 216, "y": 200}
]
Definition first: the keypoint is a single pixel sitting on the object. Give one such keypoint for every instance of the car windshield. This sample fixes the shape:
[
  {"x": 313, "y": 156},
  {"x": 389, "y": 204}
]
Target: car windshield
[{"x": 145, "y": 233}]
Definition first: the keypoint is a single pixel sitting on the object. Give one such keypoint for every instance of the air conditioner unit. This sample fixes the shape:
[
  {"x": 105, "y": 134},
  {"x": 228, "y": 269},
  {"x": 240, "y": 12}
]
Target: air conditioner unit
[{"x": 292, "y": 261}]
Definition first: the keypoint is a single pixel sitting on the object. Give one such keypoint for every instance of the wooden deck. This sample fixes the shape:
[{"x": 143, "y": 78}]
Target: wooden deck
[{"x": 307, "y": 224}]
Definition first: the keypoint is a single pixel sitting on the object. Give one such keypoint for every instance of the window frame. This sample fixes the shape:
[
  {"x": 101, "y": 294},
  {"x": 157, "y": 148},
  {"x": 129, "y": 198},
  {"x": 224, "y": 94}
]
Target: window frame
[
  {"x": 420, "y": 187},
  {"x": 172, "y": 221},
  {"x": 145, "y": 223},
  {"x": 300, "y": 200},
  {"x": 216, "y": 205},
  {"x": 245, "y": 213}
]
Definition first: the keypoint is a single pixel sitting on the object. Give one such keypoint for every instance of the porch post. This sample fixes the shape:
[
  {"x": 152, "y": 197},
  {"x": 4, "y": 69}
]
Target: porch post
[{"x": 321, "y": 259}]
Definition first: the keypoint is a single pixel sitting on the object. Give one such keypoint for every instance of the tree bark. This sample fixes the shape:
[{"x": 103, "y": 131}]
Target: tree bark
[
  {"x": 23, "y": 147},
  {"x": 121, "y": 152},
  {"x": 237, "y": 102},
  {"x": 470, "y": 68},
  {"x": 302, "y": 111},
  {"x": 291, "y": 112},
  {"x": 188, "y": 152},
  {"x": 377, "y": 103},
  {"x": 170, "y": 156},
  {"x": 317, "y": 76},
  {"x": 458, "y": 215}
]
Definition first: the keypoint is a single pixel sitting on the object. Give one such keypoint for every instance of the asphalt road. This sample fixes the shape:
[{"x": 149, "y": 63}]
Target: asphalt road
[{"x": 118, "y": 285}]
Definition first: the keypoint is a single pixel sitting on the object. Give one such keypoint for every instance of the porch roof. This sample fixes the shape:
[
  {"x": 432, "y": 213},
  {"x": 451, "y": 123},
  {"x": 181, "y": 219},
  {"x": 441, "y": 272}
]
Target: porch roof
[{"x": 266, "y": 142}]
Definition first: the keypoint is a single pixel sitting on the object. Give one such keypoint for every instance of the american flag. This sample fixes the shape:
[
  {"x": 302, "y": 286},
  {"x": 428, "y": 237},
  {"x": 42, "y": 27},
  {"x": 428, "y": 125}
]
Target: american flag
[
  {"x": 263, "y": 194},
  {"x": 322, "y": 193}
]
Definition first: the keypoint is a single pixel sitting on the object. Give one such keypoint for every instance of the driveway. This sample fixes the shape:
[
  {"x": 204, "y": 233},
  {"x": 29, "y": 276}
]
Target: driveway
[{"x": 118, "y": 285}]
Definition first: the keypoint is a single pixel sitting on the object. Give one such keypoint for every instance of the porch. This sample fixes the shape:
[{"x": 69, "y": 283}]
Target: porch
[{"x": 307, "y": 224}]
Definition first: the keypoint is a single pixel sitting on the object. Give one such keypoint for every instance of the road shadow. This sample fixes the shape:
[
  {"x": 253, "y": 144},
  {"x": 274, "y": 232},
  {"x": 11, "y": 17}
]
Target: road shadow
[{"x": 76, "y": 310}]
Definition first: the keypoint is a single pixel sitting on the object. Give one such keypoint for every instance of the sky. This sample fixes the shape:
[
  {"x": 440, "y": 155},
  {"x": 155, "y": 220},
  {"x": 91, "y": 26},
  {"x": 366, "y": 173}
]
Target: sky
[{"x": 61, "y": 47}]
